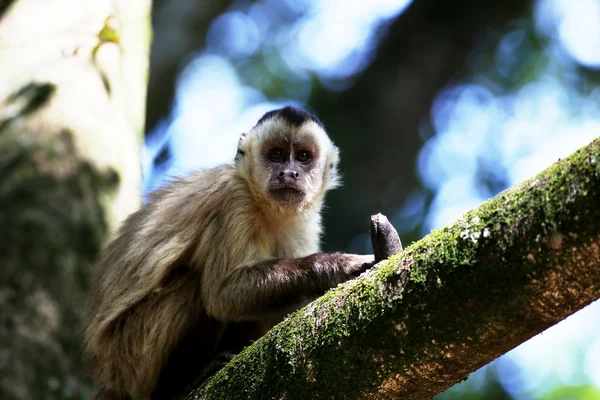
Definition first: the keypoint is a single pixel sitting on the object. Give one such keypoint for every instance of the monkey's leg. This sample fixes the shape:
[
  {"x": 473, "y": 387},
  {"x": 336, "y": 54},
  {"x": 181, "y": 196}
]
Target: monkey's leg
[
  {"x": 215, "y": 365},
  {"x": 235, "y": 337}
]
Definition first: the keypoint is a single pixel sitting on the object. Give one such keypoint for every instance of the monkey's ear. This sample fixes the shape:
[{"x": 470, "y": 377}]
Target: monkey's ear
[
  {"x": 241, "y": 149},
  {"x": 332, "y": 174}
]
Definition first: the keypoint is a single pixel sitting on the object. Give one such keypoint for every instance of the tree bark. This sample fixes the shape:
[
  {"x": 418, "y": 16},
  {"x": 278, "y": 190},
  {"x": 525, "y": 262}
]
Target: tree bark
[
  {"x": 72, "y": 85},
  {"x": 450, "y": 303}
]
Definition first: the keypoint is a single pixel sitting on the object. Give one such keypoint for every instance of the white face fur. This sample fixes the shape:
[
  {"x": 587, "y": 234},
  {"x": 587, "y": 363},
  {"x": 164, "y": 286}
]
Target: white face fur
[{"x": 291, "y": 164}]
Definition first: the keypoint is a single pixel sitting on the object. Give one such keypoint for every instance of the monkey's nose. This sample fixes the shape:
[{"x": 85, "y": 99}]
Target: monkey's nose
[{"x": 289, "y": 174}]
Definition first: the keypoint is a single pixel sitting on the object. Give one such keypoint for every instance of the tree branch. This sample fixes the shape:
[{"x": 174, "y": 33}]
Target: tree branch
[{"x": 447, "y": 305}]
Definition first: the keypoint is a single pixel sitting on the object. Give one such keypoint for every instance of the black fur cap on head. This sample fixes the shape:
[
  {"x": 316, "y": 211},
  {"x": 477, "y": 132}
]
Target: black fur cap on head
[{"x": 292, "y": 116}]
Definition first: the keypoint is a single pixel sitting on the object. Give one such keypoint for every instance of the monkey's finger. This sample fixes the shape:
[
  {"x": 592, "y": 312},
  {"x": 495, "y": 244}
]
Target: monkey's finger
[{"x": 384, "y": 238}]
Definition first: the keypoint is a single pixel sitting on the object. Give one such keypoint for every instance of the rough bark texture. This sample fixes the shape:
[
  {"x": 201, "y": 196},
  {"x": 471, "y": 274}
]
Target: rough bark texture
[
  {"x": 446, "y": 306},
  {"x": 72, "y": 81}
]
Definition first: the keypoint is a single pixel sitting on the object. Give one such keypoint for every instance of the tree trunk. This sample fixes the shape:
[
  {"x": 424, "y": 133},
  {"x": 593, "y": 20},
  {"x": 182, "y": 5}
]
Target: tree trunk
[
  {"x": 447, "y": 305},
  {"x": 72, "y": 85}
]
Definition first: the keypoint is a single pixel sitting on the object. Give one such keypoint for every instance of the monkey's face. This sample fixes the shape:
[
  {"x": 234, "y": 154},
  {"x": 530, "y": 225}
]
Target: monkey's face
[
  {"x": 290, "y": 165},
  {"x": 288, "y": 159}
]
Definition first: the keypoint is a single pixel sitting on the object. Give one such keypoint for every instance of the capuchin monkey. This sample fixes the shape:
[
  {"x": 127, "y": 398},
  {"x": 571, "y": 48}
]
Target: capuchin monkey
[{"x": 214, "y": 260}]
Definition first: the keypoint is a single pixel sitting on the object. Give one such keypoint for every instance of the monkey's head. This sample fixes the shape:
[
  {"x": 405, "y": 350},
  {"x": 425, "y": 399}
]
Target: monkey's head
[{"x": 288, "y": 158}]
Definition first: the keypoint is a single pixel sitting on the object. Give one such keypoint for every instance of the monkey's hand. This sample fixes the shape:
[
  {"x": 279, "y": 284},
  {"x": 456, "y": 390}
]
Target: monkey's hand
[{"x": 384, "y": 238}]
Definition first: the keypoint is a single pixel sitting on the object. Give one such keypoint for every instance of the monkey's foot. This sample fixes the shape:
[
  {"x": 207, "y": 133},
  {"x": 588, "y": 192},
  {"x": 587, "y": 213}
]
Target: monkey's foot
[{"x": 384, "y": 238}]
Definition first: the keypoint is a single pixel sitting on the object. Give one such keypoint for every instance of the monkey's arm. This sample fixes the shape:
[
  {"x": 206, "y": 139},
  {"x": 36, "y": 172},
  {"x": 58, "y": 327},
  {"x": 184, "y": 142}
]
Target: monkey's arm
[
  {"x": 276, "y": 287},
  {"x": 269, "y": 287}
]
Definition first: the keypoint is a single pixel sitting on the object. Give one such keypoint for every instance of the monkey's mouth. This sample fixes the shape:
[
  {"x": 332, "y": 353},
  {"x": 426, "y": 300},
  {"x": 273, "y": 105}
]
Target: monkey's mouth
[{"x": 287, "y": 194}]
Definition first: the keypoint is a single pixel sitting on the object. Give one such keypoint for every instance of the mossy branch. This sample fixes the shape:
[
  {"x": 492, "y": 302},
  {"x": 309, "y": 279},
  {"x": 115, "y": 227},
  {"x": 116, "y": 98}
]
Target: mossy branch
[{"x": 447, "y": 305}]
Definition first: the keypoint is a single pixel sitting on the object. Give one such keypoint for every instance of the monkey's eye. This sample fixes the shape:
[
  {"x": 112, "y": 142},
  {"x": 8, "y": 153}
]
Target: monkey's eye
[
  {"x": 303, "y": 156},
  {"x": 276, "y": 155}
]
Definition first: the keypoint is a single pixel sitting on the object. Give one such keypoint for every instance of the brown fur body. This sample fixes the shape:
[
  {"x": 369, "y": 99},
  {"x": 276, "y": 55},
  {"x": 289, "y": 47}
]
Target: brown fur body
[{"x": 207, "y": 266}]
